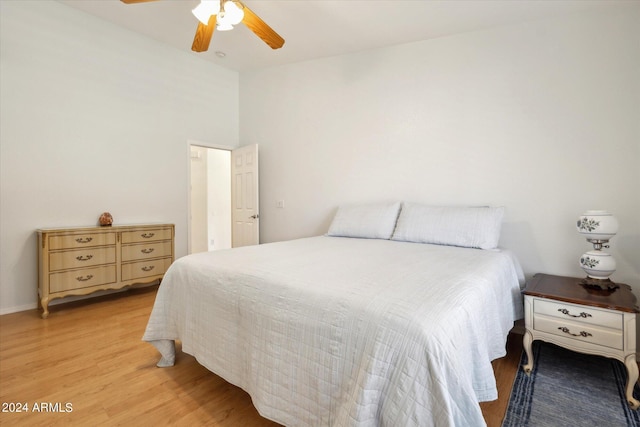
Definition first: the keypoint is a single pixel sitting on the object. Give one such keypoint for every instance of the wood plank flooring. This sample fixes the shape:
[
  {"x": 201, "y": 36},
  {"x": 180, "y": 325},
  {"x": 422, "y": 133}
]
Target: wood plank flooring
[{"x": 88, "y": 357}]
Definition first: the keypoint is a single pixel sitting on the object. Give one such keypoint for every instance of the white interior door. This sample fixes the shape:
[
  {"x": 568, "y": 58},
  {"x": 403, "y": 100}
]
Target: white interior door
[{"x": 244, "y": 196}]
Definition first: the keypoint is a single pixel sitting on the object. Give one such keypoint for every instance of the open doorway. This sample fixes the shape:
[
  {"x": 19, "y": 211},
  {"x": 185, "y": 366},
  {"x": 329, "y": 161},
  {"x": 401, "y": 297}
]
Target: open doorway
[{"x": 210, "y": 199}]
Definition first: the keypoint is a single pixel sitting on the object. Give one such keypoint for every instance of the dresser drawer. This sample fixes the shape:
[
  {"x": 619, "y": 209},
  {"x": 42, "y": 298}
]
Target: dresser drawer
[
  {"x": 82, "y": 278},
  {"x": 145, "y": 251},
  {"x": 81, "y": 240},
  {"x": 146, "y": 235},
  {"x": 583, "y": 314},
  {"x": 80, "y": 258},
  {"x": 141, "y": 269},
  {"x": 580, "y": 331}
]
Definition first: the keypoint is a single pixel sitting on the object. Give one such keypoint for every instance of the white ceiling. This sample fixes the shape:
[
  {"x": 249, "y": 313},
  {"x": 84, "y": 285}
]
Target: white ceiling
[{"x": 314, "y": 29}]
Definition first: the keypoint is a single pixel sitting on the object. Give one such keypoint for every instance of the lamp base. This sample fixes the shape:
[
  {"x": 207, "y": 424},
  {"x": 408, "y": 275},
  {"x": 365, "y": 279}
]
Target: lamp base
[{"x": 601, "y": 284}]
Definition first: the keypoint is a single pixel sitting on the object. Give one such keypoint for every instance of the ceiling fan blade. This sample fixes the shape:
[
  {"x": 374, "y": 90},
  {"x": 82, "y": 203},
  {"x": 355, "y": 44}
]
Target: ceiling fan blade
[
  {"x": 203, "y": 35},
  {"x": 136, "y": 1},
  {"x": 261, "y": 29}
]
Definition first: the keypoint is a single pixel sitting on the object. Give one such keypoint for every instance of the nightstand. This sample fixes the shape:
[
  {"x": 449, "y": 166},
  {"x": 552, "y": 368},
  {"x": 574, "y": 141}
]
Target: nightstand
[{"x": 562, "y": 311}]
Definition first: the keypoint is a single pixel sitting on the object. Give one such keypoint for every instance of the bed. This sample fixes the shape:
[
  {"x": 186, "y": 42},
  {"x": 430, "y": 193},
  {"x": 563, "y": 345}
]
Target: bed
[{"x": 364, "y": 326}]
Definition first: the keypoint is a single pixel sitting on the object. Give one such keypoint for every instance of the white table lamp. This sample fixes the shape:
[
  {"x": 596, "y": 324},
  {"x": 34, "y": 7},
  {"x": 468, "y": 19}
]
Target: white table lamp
[{"x": 598, "y": 227}]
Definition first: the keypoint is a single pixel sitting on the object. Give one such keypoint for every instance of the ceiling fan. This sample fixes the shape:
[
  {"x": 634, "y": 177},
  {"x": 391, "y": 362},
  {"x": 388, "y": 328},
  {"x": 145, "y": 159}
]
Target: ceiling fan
[{"x": 223, "y": 15}]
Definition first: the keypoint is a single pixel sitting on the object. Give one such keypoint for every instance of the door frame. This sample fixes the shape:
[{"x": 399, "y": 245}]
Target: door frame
[{"x": 190, "y": 143}]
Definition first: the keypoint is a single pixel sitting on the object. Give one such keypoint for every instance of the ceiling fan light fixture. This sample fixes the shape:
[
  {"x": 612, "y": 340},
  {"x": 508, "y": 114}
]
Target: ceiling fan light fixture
[
  {"x": 205, "y": 9},
  {"x": 222, "y": 25},
  {"x": 233, "y": 12},
  {"x": 223, "y": 15}
]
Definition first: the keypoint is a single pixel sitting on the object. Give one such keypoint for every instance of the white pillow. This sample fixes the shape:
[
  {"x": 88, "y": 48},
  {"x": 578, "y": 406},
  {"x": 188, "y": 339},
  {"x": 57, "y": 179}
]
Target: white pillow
[
  {"x": 471, "y": 227},
  {"x": 372, "y": 221}
]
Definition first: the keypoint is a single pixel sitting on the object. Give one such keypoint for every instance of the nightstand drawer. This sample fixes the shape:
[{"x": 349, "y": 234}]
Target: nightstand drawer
[
  {"x": 579, "y": 313},
  {"x": 81, "y": 258},
  {"x": 579, "y": 331}
]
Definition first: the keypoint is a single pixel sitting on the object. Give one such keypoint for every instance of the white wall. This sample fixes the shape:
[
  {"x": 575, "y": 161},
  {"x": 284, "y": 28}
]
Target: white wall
[
  {"x": 543, "y": 118},
  {"x": 95, "y": 118},
  {"x": 210, "y": 199},
  {"x": 219, "y": 198},
  {"x": 198, "y": 198}
]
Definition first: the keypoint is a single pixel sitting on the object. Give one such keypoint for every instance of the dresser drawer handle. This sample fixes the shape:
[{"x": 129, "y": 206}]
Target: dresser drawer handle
[
  {"x": 146, "y": 251},
  {"x": 84, "y": 239},
  {"x": 147, "y": 235},
  {"x": 84, "y": 258},
  {"x": 84, "y": 278},
  {"x": 581, "y": 334},
  {"x": 582, "y": 314},
  {"x": 147, "y": 268}
]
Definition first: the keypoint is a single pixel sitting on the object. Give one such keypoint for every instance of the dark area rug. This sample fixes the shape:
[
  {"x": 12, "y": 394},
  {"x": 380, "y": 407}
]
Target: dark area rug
[{"x": 567, "y": 388}]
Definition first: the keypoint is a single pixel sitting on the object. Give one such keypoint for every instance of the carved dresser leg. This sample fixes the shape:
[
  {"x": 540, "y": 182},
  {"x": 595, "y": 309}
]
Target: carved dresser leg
[{"x": 44, "y": 302}]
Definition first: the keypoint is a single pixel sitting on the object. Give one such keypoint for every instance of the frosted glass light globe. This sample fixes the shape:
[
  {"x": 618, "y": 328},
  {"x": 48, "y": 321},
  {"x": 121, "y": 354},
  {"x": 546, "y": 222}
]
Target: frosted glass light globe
[
  {"x": 597, "y": 264},
  {"x": 597, "y": 225}
]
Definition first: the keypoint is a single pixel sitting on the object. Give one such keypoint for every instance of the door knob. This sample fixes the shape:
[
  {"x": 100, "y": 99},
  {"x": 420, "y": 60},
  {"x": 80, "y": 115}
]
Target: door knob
[{"x": 256, "y": 216}]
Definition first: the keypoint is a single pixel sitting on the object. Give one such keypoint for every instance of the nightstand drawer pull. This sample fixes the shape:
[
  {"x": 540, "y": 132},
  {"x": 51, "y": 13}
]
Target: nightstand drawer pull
[
  {"x": 146, "y": 251},
  {"x": 582, "y": 314},
  {"x": 84, "y": 278},
  {"x": 581, "y": 334},
  {"x": 84, "y": 258},
  {"x": 147, "y": 268},
  {"x": 84, "y": 240},
  {"x": 147, "y": 235}
]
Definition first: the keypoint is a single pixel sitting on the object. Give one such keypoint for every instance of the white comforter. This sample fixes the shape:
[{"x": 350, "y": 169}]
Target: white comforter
[{"x": 345, "y": 332}]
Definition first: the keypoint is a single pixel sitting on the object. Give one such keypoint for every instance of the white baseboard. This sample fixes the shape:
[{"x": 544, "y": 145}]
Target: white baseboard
[
  {"x": 32, "y": 306},
  {"x": 9, "y": 310}
]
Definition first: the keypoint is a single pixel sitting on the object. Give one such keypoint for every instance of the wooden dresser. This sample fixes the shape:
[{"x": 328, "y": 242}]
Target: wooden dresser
[{"x": 82, "y": 260}]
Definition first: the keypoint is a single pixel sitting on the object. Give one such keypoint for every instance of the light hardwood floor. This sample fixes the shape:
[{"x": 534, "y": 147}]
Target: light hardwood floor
[{"x": 89, "y": 354}]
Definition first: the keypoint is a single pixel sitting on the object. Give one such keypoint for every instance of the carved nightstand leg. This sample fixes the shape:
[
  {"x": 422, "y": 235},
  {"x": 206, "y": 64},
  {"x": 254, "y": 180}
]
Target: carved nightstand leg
[
  {"x": 632, "y": 371},
  {"x": 527, "y": 341},
  {"x": 44, "y": 302}
]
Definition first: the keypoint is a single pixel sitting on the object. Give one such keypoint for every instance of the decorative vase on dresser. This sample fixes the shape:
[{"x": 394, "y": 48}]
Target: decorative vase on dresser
[{"x": 83, "y": 260}]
